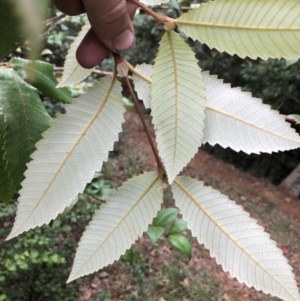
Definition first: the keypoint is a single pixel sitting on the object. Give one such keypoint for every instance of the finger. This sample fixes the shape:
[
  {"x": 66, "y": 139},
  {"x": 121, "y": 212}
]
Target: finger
[
  {"x": 111, "y": 23},
  {"x": 70, "y": 7},
  {"x": 91, "y": 52}
]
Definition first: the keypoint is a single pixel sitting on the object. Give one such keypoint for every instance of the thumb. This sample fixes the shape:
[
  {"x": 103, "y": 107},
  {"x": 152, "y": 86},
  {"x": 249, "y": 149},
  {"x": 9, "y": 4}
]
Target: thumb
[{"x": 111, "y": 23}]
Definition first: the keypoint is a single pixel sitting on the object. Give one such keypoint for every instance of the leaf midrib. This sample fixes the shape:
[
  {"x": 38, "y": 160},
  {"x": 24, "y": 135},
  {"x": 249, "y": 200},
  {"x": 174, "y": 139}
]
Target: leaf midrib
[
  {"x": 176, "y": 83},
  {"x": 236, "y": 27},
  {"x": 115, "y": 227},
  {"x": 149, "y": 80},
  {"x": 228, "y": 234},
  {"x": 70, "y": 152},
  {"x": 249, "y": 124}
]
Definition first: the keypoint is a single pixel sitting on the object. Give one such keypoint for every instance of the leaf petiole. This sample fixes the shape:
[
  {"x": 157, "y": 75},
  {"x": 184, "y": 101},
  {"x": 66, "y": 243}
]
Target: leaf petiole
[{"x": 167, "y": 23}]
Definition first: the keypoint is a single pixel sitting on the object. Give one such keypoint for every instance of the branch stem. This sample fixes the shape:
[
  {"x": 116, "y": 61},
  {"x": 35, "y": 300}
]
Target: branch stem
[
  {"x": 139, "y": 74},
  {"x": 160, "y": 166},
  {"x": 166, "y": 22}
]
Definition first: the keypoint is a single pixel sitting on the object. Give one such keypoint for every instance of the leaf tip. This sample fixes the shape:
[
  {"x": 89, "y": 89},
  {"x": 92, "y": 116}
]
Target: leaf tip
[{"x": 11, "y": 235}]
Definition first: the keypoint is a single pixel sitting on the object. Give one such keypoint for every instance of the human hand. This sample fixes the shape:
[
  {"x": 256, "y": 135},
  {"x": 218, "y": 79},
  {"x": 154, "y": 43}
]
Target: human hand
[{"x": 112, "y": 30}]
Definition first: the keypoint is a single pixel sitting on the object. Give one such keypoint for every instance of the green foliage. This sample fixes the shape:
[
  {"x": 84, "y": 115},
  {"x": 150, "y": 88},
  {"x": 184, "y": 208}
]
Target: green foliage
[
  {"x": 99, "y": 188},
  {"x": 179, "y": 226},
  {"x": 164, "y": 223},
  {"x": 128, "y": 256},
  {"x": 181, "y": 243},
  {"x": 155, "y": 233},
  {"x": 165, "y": 217},
  {"x": 262, "y": 78},
  {"x": 40, "y": 75},
  {"x": 19, "y": 101},
  {"x": 35, "y": 266}
]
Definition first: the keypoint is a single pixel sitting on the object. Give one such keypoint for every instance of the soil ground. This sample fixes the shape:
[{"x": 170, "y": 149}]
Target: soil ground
[{"x": 273, "y": 208}]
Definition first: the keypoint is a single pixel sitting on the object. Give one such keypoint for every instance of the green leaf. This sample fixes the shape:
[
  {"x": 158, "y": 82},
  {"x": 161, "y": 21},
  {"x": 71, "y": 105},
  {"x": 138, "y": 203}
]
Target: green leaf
[
  {"x": 128, "y": 256},
  {"x": 6, "y": 188},
  {"x": 155, "y": 233},
  {"x": 72, "y": 150},
  {"x": 179, "y": 226},
  {"x": 256, "y": 28},
  {"x": 118, "y": 223},
  {"x": 235, "y": 239},
  {"x": 174, "y": 4},
  {"x": 165, "y": 217},
  {"x": 43, "y": 79},
  {"x": 128, "y": 102},
  {"x": 11, "y": 37},
  {"x": 181, "y": 243},
  {"x": 177, "y": 103},
  {"x": 26, "y": 120}
]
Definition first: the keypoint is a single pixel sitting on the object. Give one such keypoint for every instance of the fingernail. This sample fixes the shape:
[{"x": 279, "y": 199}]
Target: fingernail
[{"x": 124, "y": 41}]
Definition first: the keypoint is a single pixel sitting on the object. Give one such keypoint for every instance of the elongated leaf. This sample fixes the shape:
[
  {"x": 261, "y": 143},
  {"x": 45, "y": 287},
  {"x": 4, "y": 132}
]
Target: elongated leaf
[
  {"x": 265, "y": 29},
  {"x": 43, "y": 78},
  {"x": 26, "y": 119},
  {"x": 118, "y": 223},
  {"x": 177, "y": 103},
  {"x": 72, "y": 150},
  {"x": 142, "y": 84},
  {"x": 181, "y": 243},
  {"x": 165, "y": 216},
  {"x": 155, "y": 233},
  {"x": 128, "y": 256},
  {"x": 11, "y": 36},
  {"x": 238, "y": 243},
  {"x": 73, "y": 72},
  {"x": 179, "y": 226},
  {"x": 6, "y": 188},
  {"x": 237, "y": 120}
]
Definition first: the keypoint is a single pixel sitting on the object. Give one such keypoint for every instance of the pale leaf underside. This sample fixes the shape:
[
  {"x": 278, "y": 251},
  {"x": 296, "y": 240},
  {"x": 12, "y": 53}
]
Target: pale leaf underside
[
  {"x": 237, "y": 120},
  {"x": 265, "y": 29},
  {"x": 73, "y": 72},
  {"x": 72, "y": 150},
  {"x": 177, "y": 103},
  {"x": 234, "y": 239},
  {"x": 142, "y": 83},
  {"x": 118, "y": 223}
]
